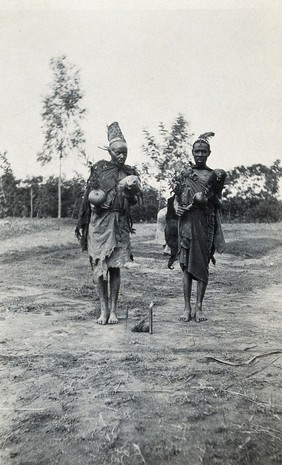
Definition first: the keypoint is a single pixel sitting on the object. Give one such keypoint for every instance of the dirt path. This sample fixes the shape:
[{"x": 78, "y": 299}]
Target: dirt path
[{"x": 76, "y": 393}]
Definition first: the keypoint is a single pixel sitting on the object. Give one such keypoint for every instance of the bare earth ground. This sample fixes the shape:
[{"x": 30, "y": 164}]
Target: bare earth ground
[{"x": 75, "y": 393}]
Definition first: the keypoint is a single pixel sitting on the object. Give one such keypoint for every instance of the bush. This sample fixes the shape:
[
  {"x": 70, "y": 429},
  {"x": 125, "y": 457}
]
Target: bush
[{"x": 148, "y": 209}]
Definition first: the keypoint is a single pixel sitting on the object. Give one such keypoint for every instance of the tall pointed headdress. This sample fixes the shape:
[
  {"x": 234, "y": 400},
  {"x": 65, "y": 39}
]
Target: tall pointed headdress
[
  {"x": 204, "y": 138},
  {"x": 115, "y": 133}
]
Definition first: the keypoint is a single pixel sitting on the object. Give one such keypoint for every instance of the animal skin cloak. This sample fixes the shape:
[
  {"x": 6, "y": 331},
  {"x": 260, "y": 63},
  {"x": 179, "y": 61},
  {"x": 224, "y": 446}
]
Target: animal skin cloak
[
  {"x": 200, "y": 233},
  {"x": 106, "y": 231}
]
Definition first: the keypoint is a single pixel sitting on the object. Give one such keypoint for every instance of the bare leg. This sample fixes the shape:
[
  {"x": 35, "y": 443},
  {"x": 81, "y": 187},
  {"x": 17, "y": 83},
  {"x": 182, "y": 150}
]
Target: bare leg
[
  {"x": 102, "y": 286},
  {"x": 114, "y": 292},
  {"x": 201, "y": 289},
  {"x": 187, "y": 288}
]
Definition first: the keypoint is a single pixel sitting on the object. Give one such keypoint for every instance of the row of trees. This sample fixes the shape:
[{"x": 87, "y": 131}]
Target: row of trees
[
  {"x": 251, "y": 192},
  {"x": 38, "y": 197},
  {"x": 250, "y": 195}
]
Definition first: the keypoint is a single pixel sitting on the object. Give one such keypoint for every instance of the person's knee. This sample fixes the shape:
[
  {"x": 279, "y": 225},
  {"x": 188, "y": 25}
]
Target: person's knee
[{"x": 187, "y": 274}]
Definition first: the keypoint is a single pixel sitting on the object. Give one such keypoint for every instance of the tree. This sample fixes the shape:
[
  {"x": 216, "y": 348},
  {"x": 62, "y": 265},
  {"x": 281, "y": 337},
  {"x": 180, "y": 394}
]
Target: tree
[
  {"x": 72, "y": 196},
  {"x": 255, "y": 181},
  {"x": 33, "y": 185},
  {"x": 252, "y": 191},
  {"x": 47, "y": 197},
  {"x": 8, "y": 188},
  {"x": 62, "y": 114},
  {"x": 167, "y": 156}
]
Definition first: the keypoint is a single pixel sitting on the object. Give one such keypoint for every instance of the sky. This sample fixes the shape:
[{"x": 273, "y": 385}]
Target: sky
[{"x": 218, "y": 62}]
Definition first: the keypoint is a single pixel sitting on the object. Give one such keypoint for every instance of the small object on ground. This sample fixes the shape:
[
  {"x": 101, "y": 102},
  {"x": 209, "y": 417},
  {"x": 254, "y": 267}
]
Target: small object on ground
[
  {"x": 248, "y": 362},
  {"x": 151, "y": 317},
  {"x": 129, "y": 265},
  {"x": 141, "y": 327}
]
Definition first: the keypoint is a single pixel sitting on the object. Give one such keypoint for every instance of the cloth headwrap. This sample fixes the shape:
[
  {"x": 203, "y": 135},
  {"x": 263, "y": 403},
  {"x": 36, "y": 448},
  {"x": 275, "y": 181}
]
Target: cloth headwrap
[{"x": 204, "y": 138}]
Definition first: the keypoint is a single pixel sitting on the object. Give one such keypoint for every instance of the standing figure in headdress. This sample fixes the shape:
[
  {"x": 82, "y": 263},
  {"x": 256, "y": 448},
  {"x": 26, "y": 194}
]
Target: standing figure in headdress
[
  {"x": 104, "y": 223},
  {"x": 197, "y": 203}
]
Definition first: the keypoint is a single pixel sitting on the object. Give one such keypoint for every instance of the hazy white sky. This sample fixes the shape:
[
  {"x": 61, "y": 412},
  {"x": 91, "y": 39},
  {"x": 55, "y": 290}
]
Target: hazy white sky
[{"x": 217, "y": 62}]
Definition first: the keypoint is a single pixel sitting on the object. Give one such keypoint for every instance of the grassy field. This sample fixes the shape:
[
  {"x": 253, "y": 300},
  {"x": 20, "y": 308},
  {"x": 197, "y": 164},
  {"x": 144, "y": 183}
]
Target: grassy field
[{"x": 248, "y": 235}]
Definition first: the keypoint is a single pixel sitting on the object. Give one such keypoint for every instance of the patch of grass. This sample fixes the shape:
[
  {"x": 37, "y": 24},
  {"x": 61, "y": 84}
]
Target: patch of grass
[
  {"x": 252, "y": 248},
  {"x": 56, "y": 252},
  {"x": 16, "y": 227},
  {"x": 234, "y": 231}
]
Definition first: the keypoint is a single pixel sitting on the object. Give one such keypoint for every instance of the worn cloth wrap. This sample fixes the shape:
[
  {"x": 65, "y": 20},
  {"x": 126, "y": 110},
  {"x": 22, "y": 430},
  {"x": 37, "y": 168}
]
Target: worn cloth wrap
[
  {"x": 200, "y": 232},
  {"x": 106, "y": 232}
]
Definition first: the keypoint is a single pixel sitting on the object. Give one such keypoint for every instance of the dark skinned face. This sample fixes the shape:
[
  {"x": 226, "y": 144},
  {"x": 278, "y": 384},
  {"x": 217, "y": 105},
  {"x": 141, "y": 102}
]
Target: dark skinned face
[
  {"x": 118, "y": 152},
  {"x": 200, "y": 152}
]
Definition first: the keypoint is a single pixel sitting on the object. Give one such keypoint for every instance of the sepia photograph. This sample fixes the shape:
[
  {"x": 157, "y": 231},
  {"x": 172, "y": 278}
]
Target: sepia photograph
[{"x": 141, "y": 232}]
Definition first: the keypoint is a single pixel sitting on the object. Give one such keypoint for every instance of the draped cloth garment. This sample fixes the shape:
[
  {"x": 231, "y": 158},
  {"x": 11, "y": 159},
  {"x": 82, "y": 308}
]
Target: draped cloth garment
[
  {"x": 200, "y": 232},
  {"x": 106, "y": 232},
  {"x": 108, "y": 241}
]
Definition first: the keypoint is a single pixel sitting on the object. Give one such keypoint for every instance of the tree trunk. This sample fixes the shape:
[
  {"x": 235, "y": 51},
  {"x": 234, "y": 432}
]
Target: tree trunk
[
  {"x": 60, "y": 188},
  {"x": 31, "y": 202}
]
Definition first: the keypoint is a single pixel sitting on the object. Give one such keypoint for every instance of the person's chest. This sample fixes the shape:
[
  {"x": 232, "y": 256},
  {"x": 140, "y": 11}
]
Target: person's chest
[{"x": 203, "y": 175}]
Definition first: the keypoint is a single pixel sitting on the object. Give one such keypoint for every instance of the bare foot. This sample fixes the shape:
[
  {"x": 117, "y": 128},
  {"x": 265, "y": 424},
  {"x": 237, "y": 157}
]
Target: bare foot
[
  {"x": 103, "y": 319},
  {"x": 199, "y": 316},
  {"x": 113, "y": 320},
  {"x": 186, "y": 316}
]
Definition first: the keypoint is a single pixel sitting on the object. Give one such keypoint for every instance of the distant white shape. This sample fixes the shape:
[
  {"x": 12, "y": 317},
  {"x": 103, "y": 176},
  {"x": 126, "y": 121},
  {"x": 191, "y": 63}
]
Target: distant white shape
[{"x": 160, "y": 232}]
